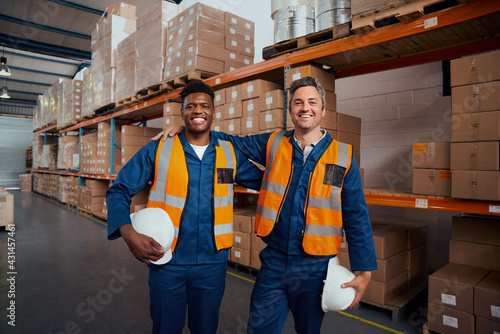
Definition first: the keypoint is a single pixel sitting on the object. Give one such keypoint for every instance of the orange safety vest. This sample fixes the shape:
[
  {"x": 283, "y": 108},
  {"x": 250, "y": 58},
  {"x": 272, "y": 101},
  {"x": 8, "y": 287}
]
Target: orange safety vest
[
  {"x": 323, "y": 230},
  {"x": 170, "y": 188}
]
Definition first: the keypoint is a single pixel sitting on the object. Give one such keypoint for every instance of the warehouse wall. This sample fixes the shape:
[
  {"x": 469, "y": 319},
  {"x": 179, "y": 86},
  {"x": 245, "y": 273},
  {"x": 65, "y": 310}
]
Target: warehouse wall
[
  {"x": 15, "y": 136},
  {"x": 398, "y": 108}
]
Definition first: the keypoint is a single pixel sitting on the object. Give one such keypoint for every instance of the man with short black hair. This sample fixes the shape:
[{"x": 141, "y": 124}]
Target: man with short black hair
[{"x": 192, "y": 176}]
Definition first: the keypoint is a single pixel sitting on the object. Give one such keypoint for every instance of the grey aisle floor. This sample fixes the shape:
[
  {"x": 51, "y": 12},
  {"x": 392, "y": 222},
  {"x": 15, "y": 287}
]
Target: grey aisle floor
[{"x": 68, "y": 278}]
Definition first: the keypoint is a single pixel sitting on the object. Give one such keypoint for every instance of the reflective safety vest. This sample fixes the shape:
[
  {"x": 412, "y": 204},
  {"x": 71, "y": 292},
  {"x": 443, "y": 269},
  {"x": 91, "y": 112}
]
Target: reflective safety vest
[
  {"x": 323, "y": 230},
  {"x": 170, "y": 188}
]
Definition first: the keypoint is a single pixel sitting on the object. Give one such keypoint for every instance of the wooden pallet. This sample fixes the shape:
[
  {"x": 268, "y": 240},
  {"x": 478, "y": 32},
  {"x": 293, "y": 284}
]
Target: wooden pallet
[
  {"x": 184, "y": 79},
  {"x": 105, "y": 109},
  {"x": 427, "y": 330},
  {"x": 399, "y": 12},
  {"x": 402, "y": 304},
  {"x": 306, "y": 41},
  {"x": 126, "y": 102},
  {"x": 87, "y": 117},
  {"x": 67, "y": 125},
  {"x": 150, "y": 91}
]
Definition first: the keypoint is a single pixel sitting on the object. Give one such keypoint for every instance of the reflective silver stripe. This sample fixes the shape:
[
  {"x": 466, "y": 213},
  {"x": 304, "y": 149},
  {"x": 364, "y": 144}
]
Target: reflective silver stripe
[
  {"x": 323, "y": 231},
  {"x": 176, "y": 232},
  {"x": 224, "y": 200},
  {"x": 343, "y": 155},
  {"x": 272, "y": 153},
  {"x": 158, "y": 195},
  {"x": 223, "y": 229},
  {"x": 228, "y": 153},
  {"x": 174, "y": 201},
  {"x": 273, "y": 187},
  {"x": 325, "y": 203},
  {"x": 267, "y": 213}
]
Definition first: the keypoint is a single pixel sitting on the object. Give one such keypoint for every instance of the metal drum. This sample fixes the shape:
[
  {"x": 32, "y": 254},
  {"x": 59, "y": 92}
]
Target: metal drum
[
  {"x": 332, "y": 13},
  {"x": 292, "y": 22},
  {"x": 279, "y": 4}
]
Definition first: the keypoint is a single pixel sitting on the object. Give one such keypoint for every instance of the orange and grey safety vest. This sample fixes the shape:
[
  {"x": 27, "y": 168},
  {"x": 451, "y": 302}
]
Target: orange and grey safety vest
[
  {"x": 170, "y": 188},
  {"x": 323, "y": 230}
]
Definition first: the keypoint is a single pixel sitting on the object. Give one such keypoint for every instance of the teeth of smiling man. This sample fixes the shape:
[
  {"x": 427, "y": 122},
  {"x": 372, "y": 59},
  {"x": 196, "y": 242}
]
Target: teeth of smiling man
[{"x": 198, "y": 120}]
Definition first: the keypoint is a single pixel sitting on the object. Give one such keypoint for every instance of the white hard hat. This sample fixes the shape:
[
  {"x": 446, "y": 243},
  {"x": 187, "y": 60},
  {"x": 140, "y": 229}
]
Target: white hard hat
[
  {"x": 335, "y": 298},
  {"x": 155, "y": 223}
]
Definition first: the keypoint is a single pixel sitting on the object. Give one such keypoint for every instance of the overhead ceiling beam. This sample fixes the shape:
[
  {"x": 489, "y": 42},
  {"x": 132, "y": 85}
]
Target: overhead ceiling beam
[
  {"x": 28, "y": 82},
  {"x": 14, "y": 100},
  {"x": 43, "y": 48},
  {"x": 44, "y": 27},
  {"x": 39, "y": 72},
  {"x": 58, "y": 61},
  {"x": 80, "y": 7},
  {"x": 23, "y": 92}
]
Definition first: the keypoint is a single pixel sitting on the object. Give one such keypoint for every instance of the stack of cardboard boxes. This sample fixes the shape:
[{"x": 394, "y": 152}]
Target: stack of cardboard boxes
[
  {"x": 464, "y": 295},
  {"x": 126, "y": 58},
  {"x": 6, "y": 208},
  {"x": 133, "y": 138},
  {"x": 47, "y": 184},
  {"x": 88, "y": 155},
  {"x": 25, "y": 182},
  {"x": 70, "y": 102},
  {"x": 49, "y": 157},
  {"x": 104, "y": 144},
  {"x": 91, "y": 196},
  {"x": 475, "y": 145},
  {"x": 68, "y": 153},
  {"x": 87, "y": 93},
  {"x": 431, "y": 169},
  {"x": 172, "y": 115}
]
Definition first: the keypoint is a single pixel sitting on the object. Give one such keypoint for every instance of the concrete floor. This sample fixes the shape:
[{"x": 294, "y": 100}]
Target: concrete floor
[{"x": 71, "y": 279}]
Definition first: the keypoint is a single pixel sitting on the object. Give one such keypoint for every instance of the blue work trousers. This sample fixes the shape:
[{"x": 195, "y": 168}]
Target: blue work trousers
[
  {"x": 287, "y": 283},
  {"x": 200, "y": 288}
]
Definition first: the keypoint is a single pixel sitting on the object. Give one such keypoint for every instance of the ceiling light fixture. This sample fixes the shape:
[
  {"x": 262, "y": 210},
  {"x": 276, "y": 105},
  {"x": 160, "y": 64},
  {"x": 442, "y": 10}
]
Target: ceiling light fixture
[
  {"x": 4, "y": 94},
  {"x": 4, "y": 69}
]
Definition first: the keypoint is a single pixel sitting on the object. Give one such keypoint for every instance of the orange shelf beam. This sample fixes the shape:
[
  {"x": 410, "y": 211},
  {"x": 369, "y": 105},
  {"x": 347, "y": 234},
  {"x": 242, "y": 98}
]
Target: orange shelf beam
[
  {"x": 47, "y": 129},
  {"x": 445, "y": 18},
  {"x": 78, "y": 174}
]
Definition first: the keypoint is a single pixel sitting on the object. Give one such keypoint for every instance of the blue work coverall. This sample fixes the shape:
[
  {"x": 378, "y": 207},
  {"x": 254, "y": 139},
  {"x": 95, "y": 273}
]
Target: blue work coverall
[
  {"x": 196, "y": 274},
  {"x": 289, "y": 279}
]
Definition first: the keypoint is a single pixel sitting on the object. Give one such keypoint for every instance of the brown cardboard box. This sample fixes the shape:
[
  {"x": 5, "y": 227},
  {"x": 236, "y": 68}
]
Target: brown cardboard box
[
  {"x": 172, "y": 109},
  {"x": 131, "y": 130},
  {"x": 475, "y": 69},
  {"x": 6, "y": 208},
  {"x": 446, "y": 320},
  {"x": 417, "y": 231},
  {"x": 241, "y": 256},
  {"x": 220, "y": 97},
  {"x": 416, "y": 257},
  {"x": 251, "y": 201},
  {"x": 218, "y": 126},
  {"x": 200, "y": 63},
  {"x": 255, "y": 88},
  {"x": 475, "y": 156},
  {"x": 240, "y": 46},
  {"x": 416, "y": 276},
  {"x": 348, "y": 138},
  {"x": 219, "y": 113},
  {"x": 453, "y": 286},
  {"x": 390, "y": 267},
  {"x": 388, "y": 240},
  {"x": 242, "y": 240},
  {"x": 251, "y": 107},
  {"x": 344, "y": 259},
  {"x": 487, "y": 326},
  {"x": 432, "y": 182},
  {"x": 250, "y": 125},
  {"x": 236, "y": 21},
  {"x": 122, "y": 9},
  {"x": 478, "y": 229},
  {"x": 473, "y": 254},
  {"x": 243, "y": 220},
  {"x": 487, "y": 297},
  {"x": 206, "y": 49},
  {"x": 348, "y": 123},
  {"x": 232, "y": 126},
  {"x": 25, "y": 182},
  {"x": 482, "y": 185},
  {"x": 270, "y": 119},
  {"x": 231, "y": 65},
  {"x": 431, "y": 155},
  {"x": 257, "y": 243},
  {"x": 233, "y": 94},
  {"x": 384, "y": 292},
  {"x": 255, "y": 259},
  {"x": 273, "y": 99},
  {"x": 239, "y": 33},
  {"x": 475, "y": 98},
  {"x": 483, "y": 126},
  {"x": 232, "y": 110},
  {"x": 325, "y": 78}
]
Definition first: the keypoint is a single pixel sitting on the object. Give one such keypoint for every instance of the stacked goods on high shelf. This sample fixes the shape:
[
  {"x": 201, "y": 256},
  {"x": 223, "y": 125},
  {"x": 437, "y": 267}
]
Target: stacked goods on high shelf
[
  {"x": 172, "y": 115},
  {"x": 88, "y": 155},
  {"x": 104, "y": 144},
  {"x": 401, "y": 250},
  {"x": 151, "y": 43},
  {"x": 464, "y": 295},
  {"x": 69, "y": 190},
  {"x": 29, "y": 159},
  {"x": 87, "y": 93},
  {"x": 25, "y": 182},
  {"x": 70, "y": 102},
  {"x": 6, "y": 208},
  {"x": 109, "y": 32},
  {"x": 475, "y": 152},
  {"x": 126, "y": 67},
  {"x": 431, "y": 169},
  {"x": 209, "y": 41},
  {"x": 92, "y": 195},
  {"x": 68, "y": 153},
  {"x": 133, "y": 138}
]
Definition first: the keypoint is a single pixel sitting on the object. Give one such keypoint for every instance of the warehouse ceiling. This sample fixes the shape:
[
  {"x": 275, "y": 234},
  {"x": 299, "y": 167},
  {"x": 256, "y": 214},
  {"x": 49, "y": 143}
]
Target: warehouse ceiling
[{"x": 44, "y": 40}]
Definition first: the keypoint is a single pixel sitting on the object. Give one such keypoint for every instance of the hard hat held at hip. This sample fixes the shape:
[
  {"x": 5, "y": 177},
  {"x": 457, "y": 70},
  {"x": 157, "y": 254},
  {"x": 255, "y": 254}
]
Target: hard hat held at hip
[
  {"x": 155, "y": 223},
  {"x": 335, "y": 298}
]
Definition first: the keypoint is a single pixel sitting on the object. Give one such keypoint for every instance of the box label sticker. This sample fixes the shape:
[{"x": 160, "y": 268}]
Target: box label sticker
[
  {"x": 495, "y": 311},
  {"x": 218, "y": 115},
  {"x": 217, "y": 81},
  {"x": 249, "y": 124},
  {"x": 234, "y": 21},
  {"x": 237, "y": 254},
  {"x": 232, "y": 55},
  {"x": 231, "y": 110},
  {"x": 432, "y": 22},
  {"x": 234, "y": 94},
  {"x": 421, "y": 203},
  {"x": 250, "y": 89},
  {"x": 448, "y": 299},
  {"x": 248, "y": 50},
  {"x": 231, "y": 127},
  {"x": 232, "y": 31},
  {"x": 250, "y": 107},
  {"x": 268, "y": 118},
  {"x": 217, "y": 98},
  {"x": 296, "y": 76},
  {"x": 450, "y": 321},
  {"x": 494, "y": 209},
  {"x": 248, "y": 25},
  {"x": 419, "y": 148},
  {"x": 237, "y": 239},
  {"x": 269, "y": 100},
  {"x": 247, "y": 38}
]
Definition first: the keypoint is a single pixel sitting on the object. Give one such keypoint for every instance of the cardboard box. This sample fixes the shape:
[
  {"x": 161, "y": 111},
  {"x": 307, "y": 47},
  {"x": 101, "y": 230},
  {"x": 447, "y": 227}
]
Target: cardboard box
[
  {"x": 417, "y": 231},
  {"x": 348, "y": 123},
  {"x": 431, "y": 155},
  {"x": 236, "y": 21},
  {"x": 326, "y": 79},
  {"x": 250, "y": 125},
  {"x": 232, "y": 126},
  {"x": 487, "y": 297},
  {"x": 416, "y": 257},
  {"x": 243, "y": 221},
  {"x": 232, "y": 110},
  {"x": 481, "y": 185},
  {"x": 384, "y": 292},
  {"x": 241, "y": 256},
  {"x": 435, "y": 182},
  {"x": 446, "y": 320},
  {"x": 242, "y": 240},
  {"x": 483, "y": 126},
  {"x": 475, "y": 98},
  {"x": 478, "y": 229},
  {"x": 220, "y": 97},
  {"x": 240, "y": 33},
  {"x": 25, "y": 182},
  {"x": 122, "y": 9},
  {"x": 475, "y": 69},
  {"x": 172, "y": 109},
  {"x": 206, "y": 49},
  {"x": 388, "y": 240},
  {"x": 200, "y": 63},
  {"x": 257, "y": 243},
  {"x": 487, "y": 326},
  {"x": 251, "y": 107},
  {"x": 240, "y": 46},
  {"x": 453, "y": 286},
  {"x": 475, "y": 156},
  {"x": 391, "y": 267},
  {"x": 273, "y": 99},
  {"x": 6, "y": 208},
  {"x": 255, "y": 259},
  {"x": 233, "y": 94},
  {"x": 218, "y": 126},
  {"x": 255, "y": 88},
  {"x": 348, "y": 138},
  {"x": 473, "y": 254},
  {"x": 270, "y": 119}
]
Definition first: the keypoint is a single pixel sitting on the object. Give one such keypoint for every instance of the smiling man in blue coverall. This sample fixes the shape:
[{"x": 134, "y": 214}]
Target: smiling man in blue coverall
[
  {"x": 200, "y": 175},
  {"x": 310, "y": 194}
]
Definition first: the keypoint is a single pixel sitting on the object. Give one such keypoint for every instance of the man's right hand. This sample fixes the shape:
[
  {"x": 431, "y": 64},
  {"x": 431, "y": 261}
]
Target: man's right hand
[
  {"x": 168, "y": 132},
  {"x": 144, "y": 248}
]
